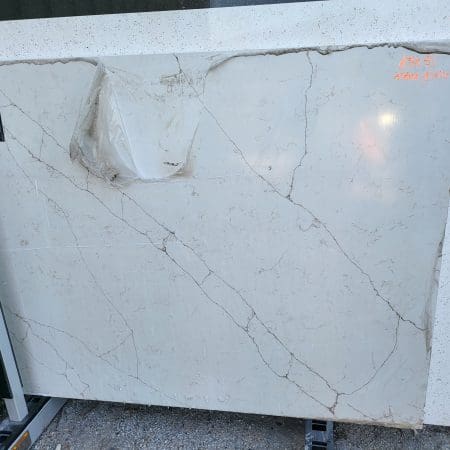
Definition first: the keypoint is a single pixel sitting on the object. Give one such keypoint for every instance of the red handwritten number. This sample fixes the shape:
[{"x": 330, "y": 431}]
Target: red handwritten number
[{"x": 415, "y": 62}]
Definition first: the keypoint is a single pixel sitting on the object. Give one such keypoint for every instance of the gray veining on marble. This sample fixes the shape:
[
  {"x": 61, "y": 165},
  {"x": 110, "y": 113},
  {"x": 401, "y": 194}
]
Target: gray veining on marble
[{"x": 289, "y": 270}]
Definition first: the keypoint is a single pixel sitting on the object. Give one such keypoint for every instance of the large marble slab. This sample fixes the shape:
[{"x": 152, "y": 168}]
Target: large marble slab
[{"x": 288, "y": 269}]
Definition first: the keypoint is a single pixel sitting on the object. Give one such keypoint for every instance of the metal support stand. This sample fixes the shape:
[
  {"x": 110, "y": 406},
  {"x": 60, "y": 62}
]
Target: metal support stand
[
  {"x": 318, "y": 435},
  {"x": 27, "y": 416}
]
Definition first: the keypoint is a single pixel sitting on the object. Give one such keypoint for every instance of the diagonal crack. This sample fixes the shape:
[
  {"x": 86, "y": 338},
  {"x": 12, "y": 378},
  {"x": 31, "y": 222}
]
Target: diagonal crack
[
  {"x": 45, "y": 131},
  {"x": 175, "y": 262},
  {"x": 101, "y": 356},
  {"x": 288, "y": 197},
  {"x": 375, "y": 373},
  {"x": 199, "y": 284},
  {"x": 254, "y": 315},
  {"x": 29, "y": 329},
  {"x": 97, "y": 284},
  {"x": 316, "y": 220},
  {"x": 372, "y": 419},
  {"x": 239, "y": 151}
]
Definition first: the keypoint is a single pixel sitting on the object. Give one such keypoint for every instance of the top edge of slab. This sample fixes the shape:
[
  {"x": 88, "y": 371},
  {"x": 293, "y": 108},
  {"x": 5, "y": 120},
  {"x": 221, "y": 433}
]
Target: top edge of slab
[{"x": 327, "y": 24}]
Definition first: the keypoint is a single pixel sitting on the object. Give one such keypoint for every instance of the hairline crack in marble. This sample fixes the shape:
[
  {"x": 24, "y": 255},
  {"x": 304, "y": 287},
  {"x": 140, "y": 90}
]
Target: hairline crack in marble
[{"x": 287, "y": 269}]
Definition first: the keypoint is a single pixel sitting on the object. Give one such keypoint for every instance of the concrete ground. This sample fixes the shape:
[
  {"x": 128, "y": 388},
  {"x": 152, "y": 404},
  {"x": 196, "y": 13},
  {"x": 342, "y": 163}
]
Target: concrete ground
[{"x": 110, "y": 426}]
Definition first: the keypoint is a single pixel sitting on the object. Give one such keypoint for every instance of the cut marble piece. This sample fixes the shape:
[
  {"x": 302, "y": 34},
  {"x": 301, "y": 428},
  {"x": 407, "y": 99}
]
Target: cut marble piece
[
  {"x": 437, "y": 410},
  {"x": 288, "y": 271}
]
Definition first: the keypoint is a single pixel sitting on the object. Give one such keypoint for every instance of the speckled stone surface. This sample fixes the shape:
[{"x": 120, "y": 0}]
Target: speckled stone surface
[{"x": 293, "y": 25}]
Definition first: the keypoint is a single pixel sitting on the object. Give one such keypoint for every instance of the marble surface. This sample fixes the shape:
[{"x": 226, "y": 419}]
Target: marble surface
[
  {"x": 437, "y": 409},
  {"x": 324, "y": 24},
  {"x": 289, "y": 270}
]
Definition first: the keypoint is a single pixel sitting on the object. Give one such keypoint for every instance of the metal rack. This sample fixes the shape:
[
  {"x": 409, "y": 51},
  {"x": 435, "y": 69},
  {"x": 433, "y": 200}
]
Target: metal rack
[{"x": 318, "y": 435}]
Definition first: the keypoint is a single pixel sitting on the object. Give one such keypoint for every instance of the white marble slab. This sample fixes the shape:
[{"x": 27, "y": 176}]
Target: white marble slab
[
  {"x": 437, "y": 410},
  {"x": 289, "y": 270}
]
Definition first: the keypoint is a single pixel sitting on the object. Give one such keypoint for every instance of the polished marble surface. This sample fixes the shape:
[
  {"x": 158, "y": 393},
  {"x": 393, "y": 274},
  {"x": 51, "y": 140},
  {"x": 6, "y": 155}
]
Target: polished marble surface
[
  {"x": 289, "y": 270},
  {"x": 437, "y": 409}
]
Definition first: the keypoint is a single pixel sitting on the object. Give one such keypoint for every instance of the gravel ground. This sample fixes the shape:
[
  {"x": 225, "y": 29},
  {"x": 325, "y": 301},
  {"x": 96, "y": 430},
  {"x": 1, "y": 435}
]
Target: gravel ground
[
  {"x": 107, "y": 426},
  {"x": 353, "y": 437},
  {"x": 110, "y": 426}
]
